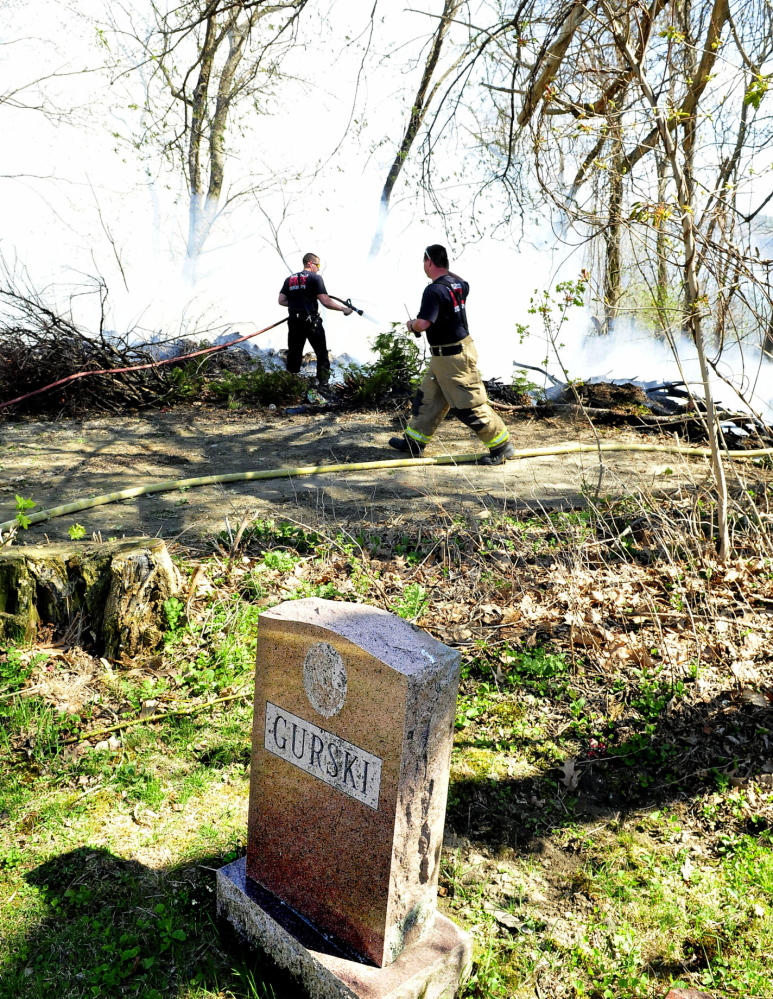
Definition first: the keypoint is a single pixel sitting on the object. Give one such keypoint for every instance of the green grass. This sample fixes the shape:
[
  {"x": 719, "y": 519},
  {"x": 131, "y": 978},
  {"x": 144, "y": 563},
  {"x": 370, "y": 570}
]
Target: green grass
[
  {"x": 82, "y": 915},
  {"x": 622, "y": 923},
  {"x": 93, "y": 924},
  {"x": 577, "y": 887}
]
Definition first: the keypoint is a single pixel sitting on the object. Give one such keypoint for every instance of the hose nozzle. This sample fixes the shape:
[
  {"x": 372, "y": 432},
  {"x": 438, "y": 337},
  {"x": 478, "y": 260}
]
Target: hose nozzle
[{"x": 348, "y": 303}]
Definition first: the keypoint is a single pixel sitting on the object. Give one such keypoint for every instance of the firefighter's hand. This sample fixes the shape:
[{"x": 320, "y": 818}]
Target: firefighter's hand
[
  {"x": 409, "y": 326},
  {"x": 348, "y": 312}
]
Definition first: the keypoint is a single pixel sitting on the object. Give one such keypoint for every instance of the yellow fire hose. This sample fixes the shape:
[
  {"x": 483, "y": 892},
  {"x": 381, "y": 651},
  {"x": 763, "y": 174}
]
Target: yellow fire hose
[{"x": 278, "y": 473}]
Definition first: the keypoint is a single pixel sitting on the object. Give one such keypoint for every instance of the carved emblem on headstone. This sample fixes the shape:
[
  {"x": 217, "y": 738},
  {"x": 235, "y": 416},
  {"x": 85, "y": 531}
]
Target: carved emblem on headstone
[{"x": 324, "y": 679}]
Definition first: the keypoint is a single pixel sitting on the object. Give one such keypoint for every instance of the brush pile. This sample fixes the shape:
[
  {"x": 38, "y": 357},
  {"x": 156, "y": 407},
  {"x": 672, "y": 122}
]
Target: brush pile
[
  {"x": 39, "y": 346},
  {"x": 650, "y": 407}
]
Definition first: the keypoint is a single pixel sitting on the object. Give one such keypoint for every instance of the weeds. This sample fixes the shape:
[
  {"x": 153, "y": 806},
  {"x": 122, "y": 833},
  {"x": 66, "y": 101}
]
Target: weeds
[
  {"x": 393, "y": 373},
  {"x": 23, "y": 504},
  {"x": 413, "y": 603},
  {"x": 609, "y": 815},
  {"x": 257, "y": 386}
]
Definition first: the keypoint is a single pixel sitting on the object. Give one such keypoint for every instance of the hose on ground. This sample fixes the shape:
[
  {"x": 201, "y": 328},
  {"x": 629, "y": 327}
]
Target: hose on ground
[{"x": 168, "y": 485}]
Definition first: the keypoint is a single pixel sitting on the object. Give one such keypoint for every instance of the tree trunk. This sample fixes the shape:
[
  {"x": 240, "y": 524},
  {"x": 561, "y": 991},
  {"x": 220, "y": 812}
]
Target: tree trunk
[
  {"x": 693, "y": 304},
  {"x": 421, "y": 103},
  {"x": 661, "y": 251},
  {"x": 767, "y": 339},
  {"x": 198, "y": 109},
  {"x": 613, "y": 234},
  {"x": 112, "y": 592}
]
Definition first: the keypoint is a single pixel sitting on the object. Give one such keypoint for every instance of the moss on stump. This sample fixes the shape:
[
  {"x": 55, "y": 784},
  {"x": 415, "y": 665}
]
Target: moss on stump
[{"x": 112, "y": 592}]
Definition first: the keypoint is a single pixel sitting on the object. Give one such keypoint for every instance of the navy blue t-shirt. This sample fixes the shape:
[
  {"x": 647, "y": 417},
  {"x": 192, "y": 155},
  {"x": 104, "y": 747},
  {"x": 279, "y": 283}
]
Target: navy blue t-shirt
[
  {"x": 442, "y": 304},
  {"x": 301, "y": 291}
]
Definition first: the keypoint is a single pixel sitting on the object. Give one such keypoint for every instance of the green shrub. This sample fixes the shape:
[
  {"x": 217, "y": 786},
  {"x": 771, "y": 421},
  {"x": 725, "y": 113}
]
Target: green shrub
[
  {"x": 259, "y": 386},
  {"x": 398, "y": 365},
  {"x": 187, "y": 380}
]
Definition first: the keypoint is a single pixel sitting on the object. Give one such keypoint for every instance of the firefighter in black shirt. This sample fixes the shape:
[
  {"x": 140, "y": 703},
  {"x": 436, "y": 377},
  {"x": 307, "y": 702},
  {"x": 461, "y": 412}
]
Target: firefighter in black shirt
[
  {"x": 452, "y": 380},
  {"x": 300, "y": 294}
]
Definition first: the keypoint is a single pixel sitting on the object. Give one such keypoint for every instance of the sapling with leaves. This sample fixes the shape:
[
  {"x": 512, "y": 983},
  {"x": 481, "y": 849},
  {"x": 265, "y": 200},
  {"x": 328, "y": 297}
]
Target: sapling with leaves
[
  {"x": 23, "y": 504},
  {"x": 554, "y": 312}
]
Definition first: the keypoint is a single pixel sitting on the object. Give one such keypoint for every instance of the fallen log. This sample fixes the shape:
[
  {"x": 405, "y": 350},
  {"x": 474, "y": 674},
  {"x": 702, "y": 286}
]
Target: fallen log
[
  {"x": 616, "y": 416},
  {"x": 113, "y": 592}
]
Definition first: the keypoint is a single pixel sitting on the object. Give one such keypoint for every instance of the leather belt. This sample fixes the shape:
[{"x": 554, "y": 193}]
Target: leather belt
[{"x": 455, "y": 348}]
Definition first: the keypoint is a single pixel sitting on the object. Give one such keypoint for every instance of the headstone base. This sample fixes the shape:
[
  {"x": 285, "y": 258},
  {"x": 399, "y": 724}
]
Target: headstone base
[{"x": 432, "y": 968}]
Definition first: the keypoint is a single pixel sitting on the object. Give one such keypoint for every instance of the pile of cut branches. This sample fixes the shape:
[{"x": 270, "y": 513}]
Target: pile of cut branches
[{"x": 38, "y": 346}]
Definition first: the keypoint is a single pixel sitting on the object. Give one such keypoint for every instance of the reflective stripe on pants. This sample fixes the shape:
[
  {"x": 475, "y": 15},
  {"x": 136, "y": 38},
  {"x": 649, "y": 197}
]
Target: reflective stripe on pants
[{"x": 454, "y": 383}]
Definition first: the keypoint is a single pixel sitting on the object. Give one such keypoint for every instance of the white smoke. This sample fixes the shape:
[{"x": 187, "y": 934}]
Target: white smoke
[{"x": 742, "y": 382}]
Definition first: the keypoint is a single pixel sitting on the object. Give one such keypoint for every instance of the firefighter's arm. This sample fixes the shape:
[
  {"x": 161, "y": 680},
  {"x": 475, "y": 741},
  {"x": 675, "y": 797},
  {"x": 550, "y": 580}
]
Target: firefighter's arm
[
  {"x": 283, "y": 299},
  {"x": 328, "y": 302},
  {"x": 418, "y": 325}
]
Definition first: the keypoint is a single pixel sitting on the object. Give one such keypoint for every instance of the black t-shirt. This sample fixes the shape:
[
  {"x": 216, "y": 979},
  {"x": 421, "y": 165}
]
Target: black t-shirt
[
  {"x": 301, "y": 291},
  {"x": 442, "y": 304}
]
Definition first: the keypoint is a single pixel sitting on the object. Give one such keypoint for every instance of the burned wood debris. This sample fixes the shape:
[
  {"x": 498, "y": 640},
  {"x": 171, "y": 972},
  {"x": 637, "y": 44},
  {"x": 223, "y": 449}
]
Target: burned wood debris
[{"x": 650, "y": 407}]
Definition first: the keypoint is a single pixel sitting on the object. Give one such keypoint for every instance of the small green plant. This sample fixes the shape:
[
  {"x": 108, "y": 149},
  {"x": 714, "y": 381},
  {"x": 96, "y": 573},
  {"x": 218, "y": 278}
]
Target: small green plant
[
  {"x": 13, "y": 670},
  {"x": 187, "y": 380},
  {"x": 251, "y": 586},
  {"x": 523, "y": 385},
  {"x": 40, "y": 726},
  {"x": 23, "y": 504},
  {"x": 258, "y": 386},
  {"x": 168, "y": 932},
  {"x": 12, "y": 857},
  {"x": 174, "y": 612},
  {"x": 413, "y": 603},
  {"x": 268, "y": 533},
  {"x": 542, "y": 671},
  {"x": 396, "y": 368},
  {"x": 137, "y": 784},
  {"x": 280, "y": 560},
  {"x": 76, "y": 532}
]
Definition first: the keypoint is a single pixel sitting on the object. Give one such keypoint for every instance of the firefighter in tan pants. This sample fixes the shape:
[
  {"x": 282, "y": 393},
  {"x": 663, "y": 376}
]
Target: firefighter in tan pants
[{"x": 452, "y": 381}]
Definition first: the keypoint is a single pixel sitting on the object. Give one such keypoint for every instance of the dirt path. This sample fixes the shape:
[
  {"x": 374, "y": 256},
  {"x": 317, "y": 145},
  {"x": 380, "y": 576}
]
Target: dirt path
[{"x": 56, "y": 462}]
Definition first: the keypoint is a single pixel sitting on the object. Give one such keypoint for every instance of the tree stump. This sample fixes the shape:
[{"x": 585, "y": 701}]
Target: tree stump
[{"x": 118, "y": 589}]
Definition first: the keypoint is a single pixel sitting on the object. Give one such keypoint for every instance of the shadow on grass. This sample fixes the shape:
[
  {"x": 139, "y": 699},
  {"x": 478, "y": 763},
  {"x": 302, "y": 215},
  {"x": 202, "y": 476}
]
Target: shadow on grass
[
  {"x": 623, "y": 768},
  {"x": 113, "y": 927}
]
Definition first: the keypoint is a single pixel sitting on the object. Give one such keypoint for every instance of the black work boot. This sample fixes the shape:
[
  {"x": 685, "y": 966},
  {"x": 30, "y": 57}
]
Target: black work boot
[
  {"x": 498, "y": 455},
  {"x": 407, "y": 444}
]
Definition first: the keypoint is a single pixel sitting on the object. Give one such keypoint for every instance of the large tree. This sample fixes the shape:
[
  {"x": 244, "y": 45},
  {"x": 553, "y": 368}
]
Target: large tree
[
  {"x": 432, "y": 78},
  {"x": 204, "y": 66}
]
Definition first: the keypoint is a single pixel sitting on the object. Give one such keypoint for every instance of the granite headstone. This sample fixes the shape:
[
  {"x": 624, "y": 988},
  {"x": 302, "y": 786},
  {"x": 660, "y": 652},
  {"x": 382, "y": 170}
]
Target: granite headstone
[{"x": 352, "y": 736}]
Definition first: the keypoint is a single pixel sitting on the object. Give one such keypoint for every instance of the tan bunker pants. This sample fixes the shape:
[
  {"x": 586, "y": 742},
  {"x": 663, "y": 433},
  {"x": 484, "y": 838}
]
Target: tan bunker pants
[{"x": 453, "y": 382}]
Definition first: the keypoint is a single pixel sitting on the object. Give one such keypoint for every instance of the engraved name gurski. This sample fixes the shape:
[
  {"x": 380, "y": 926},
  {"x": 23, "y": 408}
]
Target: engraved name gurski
[{"x": 323, "y": 755}]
